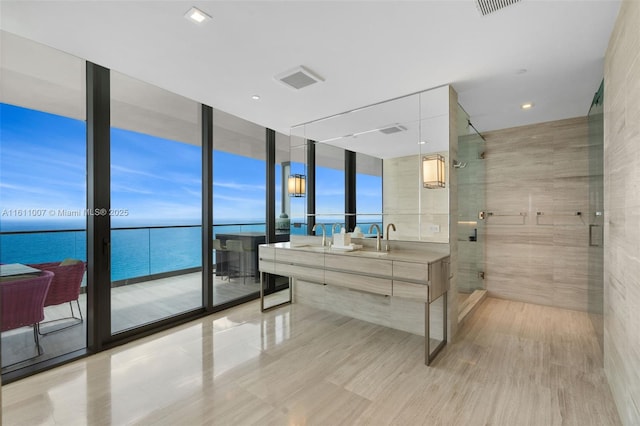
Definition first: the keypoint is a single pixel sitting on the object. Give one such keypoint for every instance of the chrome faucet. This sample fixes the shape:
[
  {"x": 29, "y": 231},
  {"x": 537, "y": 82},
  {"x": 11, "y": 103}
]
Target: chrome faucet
[
  {"x": 333, "y": 231},
  {"x": 324, "y": 233},
  {"x": 377, "y": 228},
  {"x": 391, "y": 225}
]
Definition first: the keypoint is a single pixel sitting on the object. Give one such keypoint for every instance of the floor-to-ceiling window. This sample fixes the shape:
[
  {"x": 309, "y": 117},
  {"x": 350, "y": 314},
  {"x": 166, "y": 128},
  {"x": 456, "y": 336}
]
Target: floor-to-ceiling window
[
  {"x": 42, "y": 202},
  {"x": 149, "y": 252},
  {"x": 156, "y": 199},
  {"x": 239, "y": 188}
]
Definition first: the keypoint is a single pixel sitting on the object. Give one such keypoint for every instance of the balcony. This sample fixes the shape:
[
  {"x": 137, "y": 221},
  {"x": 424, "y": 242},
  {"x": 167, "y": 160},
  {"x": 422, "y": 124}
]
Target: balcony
[{"x": 156, "y": 274}]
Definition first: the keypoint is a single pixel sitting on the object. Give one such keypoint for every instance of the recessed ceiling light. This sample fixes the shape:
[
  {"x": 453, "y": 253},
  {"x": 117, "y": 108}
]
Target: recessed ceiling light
[
  {"x": 255, "y": 97},
  {"x": 528, "y": 105},
  {"x": 422, "y": 142},
  {"x": 196, "y": 15}
]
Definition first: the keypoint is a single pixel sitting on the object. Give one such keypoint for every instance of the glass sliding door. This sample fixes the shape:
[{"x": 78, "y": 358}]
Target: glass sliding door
[
  {"x": 239, "y": 191},
  {"x": 156, "y": 199},
  {"x": 43, "y": 200}
]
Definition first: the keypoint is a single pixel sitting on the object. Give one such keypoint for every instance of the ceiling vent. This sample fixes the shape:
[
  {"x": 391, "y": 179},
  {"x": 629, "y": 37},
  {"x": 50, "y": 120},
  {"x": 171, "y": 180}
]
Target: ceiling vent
[
  {"x": 393, "y": 129},
  {"x": 298, "y": 78},
  {"x": 489, "y": 6}
]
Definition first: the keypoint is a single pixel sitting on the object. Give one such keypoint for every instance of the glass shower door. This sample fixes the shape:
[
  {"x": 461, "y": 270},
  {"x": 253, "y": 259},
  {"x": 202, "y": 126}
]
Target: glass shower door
[
  {"x": 470, "y": 168},
  {"x": 596, "y": 213}
]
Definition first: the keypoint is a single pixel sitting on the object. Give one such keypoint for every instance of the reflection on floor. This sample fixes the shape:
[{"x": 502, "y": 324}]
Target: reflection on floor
[
  {"x": 131, "y": 305},
  {"x": 512, "y": 364}
]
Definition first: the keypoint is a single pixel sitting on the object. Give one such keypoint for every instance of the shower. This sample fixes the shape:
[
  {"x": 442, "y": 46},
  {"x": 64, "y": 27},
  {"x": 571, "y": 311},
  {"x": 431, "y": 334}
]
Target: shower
[{"x": 471, "y": 201}]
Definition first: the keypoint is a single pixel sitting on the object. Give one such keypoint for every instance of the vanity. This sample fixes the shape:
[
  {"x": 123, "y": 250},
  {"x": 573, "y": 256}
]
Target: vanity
[
  {"x": 402, "y": 151},
  {"x": 405, "y": 288}
]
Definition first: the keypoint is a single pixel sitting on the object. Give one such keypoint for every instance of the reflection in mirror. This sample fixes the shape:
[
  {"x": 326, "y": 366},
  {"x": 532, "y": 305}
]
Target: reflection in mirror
[
  {"x": 397, "y": 133},
  {"x": 296, "y": 205},
  {"x": 368, "y": 192},
  {"x": 330, "y": 202}
]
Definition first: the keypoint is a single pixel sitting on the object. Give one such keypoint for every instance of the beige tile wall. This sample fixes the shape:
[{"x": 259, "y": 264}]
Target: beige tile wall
[
  {"x": 412, "y": 208},
  {"x": 530, "y": 169},
  {"x": 622, "y": 212}
]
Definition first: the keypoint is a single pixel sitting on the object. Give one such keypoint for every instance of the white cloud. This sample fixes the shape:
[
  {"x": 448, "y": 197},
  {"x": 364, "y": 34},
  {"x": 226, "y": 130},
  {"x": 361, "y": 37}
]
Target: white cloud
[{"x": 239, "y": 186}]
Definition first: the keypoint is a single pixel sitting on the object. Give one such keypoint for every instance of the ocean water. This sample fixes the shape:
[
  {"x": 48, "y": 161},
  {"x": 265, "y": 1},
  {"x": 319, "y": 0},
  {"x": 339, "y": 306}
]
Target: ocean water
[{"x": 134, "y": 252}]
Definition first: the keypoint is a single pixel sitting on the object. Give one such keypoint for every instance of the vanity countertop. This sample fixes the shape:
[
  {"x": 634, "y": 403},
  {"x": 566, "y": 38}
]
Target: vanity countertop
[{"x": 398, "y": 254}]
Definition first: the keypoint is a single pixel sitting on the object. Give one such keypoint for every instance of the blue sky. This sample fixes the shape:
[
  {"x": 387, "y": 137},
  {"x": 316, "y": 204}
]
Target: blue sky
[{"x": 43, "y": 167}]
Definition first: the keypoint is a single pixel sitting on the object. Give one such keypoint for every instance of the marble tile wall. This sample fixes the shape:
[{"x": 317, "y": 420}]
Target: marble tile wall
[
  {"x": 529, "y": 257},
  {"x": 622, "y": 213}
]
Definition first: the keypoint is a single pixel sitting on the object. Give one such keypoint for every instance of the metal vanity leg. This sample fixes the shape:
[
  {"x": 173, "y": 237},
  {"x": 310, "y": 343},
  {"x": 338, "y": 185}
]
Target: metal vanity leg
[
  {"x": 427, "y": 332},
  {"x": 261, "y": 291},
  {"x": 288, "y": 302}
]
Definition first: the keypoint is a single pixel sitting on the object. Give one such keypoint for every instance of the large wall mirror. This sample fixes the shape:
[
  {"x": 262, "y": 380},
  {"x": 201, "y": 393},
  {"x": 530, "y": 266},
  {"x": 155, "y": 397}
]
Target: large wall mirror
[{"x": 394, "y": 141}]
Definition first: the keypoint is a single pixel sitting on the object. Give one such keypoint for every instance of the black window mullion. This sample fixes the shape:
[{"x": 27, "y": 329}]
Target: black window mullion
[
  {"x": 270, "y": 142},
  {"x": 350, "y": 190},
  {"x": 311, "y": 186},
  {"x": 98, "y": 197},
  {"x": 207, "y": 206}
]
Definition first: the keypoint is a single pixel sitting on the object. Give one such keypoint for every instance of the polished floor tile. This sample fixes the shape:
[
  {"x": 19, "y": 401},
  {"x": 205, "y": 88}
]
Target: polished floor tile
[{"x": 512, "y": 364}]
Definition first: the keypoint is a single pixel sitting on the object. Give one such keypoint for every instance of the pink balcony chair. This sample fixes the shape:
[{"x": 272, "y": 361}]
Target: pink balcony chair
[
  {"x": 65, "y": 287},
  {"x": 22, "y": 302}
]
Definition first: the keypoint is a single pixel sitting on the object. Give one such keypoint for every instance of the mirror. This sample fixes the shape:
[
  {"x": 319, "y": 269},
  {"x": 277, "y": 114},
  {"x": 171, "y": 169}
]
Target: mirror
[
  {"x": 297, "y": 170},
  {"x": 397, "y": 134}
]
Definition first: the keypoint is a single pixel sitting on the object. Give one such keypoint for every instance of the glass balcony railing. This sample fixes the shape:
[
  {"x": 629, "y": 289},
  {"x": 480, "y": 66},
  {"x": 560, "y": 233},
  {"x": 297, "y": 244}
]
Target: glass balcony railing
[{"x": 137, "y": 252}]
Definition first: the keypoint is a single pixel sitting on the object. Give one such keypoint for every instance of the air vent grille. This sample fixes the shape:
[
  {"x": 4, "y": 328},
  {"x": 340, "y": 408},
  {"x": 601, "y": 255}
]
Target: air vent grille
[
  {"x": 298, "y": 78},
  {"x": 489, "y": 6},
  {"x": 393, "y": 129}
]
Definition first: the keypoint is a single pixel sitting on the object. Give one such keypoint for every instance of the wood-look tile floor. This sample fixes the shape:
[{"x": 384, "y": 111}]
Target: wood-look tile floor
[
  {"x": 512, "y": 364},
  {"x": 132, "y": 305}
]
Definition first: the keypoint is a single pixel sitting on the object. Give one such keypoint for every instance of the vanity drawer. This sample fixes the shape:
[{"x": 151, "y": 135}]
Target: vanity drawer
[
  {"x": 266, "y": 266},
  {"x": 267, "y": 253},
  {"x": 356, "y": 264},
  {"x": 302, "y": 272},
  {"x": 410, "y": 290},
  {"x": 359, "y": 282},
  {"x": 300, "y": 257},
  {"x": 266, "y": 257},
  {"x": 410, "y": 271}
]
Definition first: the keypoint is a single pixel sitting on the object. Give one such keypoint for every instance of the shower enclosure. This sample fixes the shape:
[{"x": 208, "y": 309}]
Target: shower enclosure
[
  {"x": 470, "y": 168},
  {"x": 596, "y": 213}
]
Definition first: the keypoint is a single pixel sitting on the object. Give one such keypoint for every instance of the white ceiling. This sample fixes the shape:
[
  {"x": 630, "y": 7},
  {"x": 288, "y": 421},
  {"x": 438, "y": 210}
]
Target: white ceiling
[{"x": 367, "y": 52}]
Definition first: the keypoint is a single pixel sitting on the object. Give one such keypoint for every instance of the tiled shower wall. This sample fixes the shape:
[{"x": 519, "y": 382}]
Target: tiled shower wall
[
  {"x": 622, "y": 212},
  {"x": 536, "y": 241}
]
